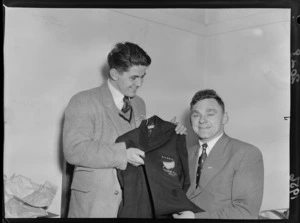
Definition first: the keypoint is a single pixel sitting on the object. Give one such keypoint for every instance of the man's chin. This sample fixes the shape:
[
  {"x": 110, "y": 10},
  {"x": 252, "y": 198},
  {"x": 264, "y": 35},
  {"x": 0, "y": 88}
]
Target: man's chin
[
  {"x": 203, "y": 136},
  {"x": 131, "y": 94}
]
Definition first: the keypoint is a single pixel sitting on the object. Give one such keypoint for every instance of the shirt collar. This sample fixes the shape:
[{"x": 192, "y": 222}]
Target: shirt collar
[
  {"x": 117, "y": 95},
  {"x": 210, "y": 144}
]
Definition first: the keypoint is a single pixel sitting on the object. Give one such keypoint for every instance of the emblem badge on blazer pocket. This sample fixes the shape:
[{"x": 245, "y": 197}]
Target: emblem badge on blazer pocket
[{"x": 169, "y": 165}]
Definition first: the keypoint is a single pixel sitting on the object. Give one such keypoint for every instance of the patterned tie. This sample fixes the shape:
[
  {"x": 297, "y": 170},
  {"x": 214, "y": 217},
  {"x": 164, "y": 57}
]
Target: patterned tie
[
  {"x": 201, "y": 161},
  {"x": 126, "y": 106}
]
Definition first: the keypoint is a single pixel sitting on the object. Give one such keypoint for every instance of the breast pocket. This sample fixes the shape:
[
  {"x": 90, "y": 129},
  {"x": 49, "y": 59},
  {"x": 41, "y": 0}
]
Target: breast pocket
[
  {"x": 222, "y": 183},
  {"x": 82, "y": 180}
]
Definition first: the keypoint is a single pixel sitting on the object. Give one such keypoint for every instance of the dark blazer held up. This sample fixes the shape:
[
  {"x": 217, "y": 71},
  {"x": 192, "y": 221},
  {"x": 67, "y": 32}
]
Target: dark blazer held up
[{"x": 158, "y": 188}]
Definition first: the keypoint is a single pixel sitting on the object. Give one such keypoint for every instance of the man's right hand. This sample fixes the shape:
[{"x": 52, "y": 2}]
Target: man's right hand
[{"x": 134, "y": 156}]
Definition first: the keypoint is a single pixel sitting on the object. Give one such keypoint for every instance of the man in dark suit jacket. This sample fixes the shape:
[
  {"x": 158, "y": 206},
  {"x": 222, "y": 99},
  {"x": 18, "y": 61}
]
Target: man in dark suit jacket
[
  {"x": 157, "y": 189},
  {"x": 230, "y": 183}
]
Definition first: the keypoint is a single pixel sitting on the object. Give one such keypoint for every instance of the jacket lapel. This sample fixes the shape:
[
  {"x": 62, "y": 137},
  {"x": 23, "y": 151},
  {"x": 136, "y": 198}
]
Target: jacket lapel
[
  {"x": 138, "y": 117},
  {"x": 113, "y": 112},
  {"x": 111, "y": 109},
  {"x": 213, "y": 163},
  {"x": 193, "y": 165}
]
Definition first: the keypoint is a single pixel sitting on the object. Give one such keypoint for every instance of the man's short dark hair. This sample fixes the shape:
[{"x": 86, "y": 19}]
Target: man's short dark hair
[
  {"x": 207, "y": 94},
  {"x": 125, "y": 55}
]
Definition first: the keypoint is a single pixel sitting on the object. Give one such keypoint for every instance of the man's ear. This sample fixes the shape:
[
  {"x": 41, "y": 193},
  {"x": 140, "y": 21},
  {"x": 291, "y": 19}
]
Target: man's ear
[
  {"x": 113, "y": 74},
  {"x": 225, "y": 118}
]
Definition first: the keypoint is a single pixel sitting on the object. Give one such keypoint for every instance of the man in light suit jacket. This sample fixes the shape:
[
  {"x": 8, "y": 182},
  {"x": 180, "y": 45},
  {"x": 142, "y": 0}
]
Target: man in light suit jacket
[
  {"x": 230, "y": 183},
  {"x": 93, "y": 121}
]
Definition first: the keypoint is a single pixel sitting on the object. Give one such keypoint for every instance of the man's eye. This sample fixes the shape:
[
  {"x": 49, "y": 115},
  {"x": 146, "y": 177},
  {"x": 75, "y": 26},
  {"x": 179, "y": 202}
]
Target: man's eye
[{"x": 211, "y": 114}]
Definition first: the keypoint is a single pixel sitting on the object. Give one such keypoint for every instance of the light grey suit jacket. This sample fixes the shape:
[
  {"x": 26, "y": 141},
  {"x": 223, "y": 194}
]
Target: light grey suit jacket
[
  {"x": 92, "y": 124},
  {"x": 231, "y": 182}
]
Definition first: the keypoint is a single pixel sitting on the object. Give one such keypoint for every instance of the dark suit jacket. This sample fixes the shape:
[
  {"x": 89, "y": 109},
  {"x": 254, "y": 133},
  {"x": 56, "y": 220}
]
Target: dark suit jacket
[
  {"x": 231, "y": 182},
  {"x": 158, "y": 188}
]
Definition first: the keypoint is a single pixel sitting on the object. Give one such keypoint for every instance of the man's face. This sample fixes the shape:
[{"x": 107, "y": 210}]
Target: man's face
[
  {"x": 208, "y": 119},
  {"x": 129, "y": 81}
]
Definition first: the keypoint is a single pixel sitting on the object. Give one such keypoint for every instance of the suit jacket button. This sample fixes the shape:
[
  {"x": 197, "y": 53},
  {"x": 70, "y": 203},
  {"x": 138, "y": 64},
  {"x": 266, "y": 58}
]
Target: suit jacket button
[{"x": 116, "y": 192}]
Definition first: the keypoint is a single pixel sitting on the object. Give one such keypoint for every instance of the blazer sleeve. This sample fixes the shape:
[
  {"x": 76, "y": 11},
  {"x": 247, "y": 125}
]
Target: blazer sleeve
[
  {"x": 247, "y": 190},
  {"x": 79, "y": 146},
  {"x": 183, "y": 154}
]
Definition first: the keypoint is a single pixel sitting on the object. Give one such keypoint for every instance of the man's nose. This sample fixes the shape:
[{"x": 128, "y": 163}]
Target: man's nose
[
  {"x": 138, "y": 82},
  {"x": 202, "y": 119}
]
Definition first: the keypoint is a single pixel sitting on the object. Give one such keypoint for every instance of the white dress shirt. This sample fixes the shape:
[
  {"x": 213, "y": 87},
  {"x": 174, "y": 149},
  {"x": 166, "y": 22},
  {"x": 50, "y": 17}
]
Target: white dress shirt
[
  {"x": 117, "y": 95},
  {"x": 210, "y": 145}
]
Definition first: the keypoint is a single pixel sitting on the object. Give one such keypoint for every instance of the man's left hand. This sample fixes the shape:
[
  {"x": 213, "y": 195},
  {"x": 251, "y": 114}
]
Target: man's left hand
[
  {"x": 184, "y": 214},
  {"x": 180, "y": 129}
]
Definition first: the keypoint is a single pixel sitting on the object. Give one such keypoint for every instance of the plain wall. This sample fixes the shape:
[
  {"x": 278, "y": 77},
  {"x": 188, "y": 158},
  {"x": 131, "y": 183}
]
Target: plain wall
[
  {"x": 51, "y": 54},
  {"x": 249, "y": 67}
]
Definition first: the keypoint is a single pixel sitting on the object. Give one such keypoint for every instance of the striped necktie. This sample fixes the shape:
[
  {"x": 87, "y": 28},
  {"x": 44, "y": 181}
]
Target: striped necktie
[
  {"x": 126, "y": 110},
  {"x": 126, "y": 106}
]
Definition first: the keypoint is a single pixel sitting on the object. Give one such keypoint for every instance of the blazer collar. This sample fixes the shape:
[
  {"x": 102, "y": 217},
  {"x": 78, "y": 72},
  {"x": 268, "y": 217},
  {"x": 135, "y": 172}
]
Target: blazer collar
[
  {"x": 213, "y": 163},
  {"x": 161, "y": 133}
]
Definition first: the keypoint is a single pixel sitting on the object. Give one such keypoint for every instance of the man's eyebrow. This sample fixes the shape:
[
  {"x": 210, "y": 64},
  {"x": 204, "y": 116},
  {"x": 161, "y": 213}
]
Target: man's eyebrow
[
  {"x": 135, "y": 76},
  {"x": 211, "y": 110}
]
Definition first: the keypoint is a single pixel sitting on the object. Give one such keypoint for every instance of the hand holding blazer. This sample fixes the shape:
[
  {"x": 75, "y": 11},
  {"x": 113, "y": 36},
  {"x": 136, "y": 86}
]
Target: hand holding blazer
[
  {"x": 231, "y": 182},
  {"x": 92, "y": 124},
  {"x": 158, "y": 188}
]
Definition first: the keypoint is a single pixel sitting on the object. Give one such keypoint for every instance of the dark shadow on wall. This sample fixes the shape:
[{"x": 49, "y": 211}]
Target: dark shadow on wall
[
  {"x": 66, "y": 168},
  {"x": 104, "y": 71},
  {"x": 67, "y": 173},
  {"x": 60, "y": 143},
  {"x": 66, "y": 191}
]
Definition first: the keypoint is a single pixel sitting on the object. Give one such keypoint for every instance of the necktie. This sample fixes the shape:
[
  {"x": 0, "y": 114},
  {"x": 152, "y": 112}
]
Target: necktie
[
  {"x": 126, "y": 106},
  {"x": 201, "y": 161}
]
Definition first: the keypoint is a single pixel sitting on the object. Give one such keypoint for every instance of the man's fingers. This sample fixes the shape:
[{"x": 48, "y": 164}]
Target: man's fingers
[
  {"x": 175, "y": 215},
  {"x": 140, "y": 153},
  {"x": 135, "y": 156},
  {"x": 173, "y": 120},
  {"x": 134, "y": 163},
  {"x": 138, "y": 160},
  {"x": 180, "y": 129}
]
